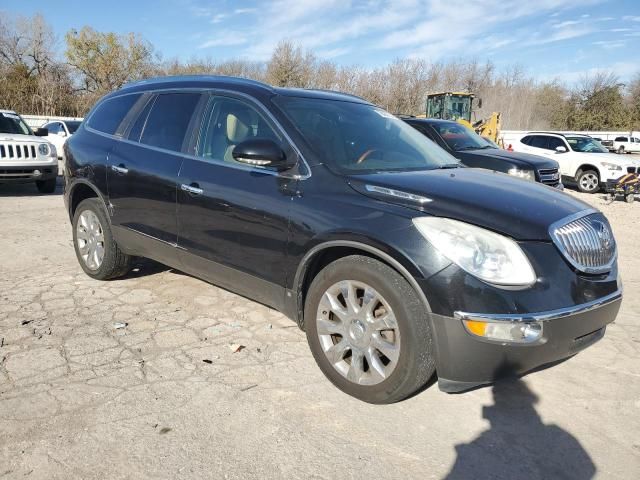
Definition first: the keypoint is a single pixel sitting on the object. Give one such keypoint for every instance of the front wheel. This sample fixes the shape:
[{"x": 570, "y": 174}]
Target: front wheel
[
  {"x": 97, "y": 252},
  {"x": 588, "y": 181},
  {"x": 368, "y": 330}
]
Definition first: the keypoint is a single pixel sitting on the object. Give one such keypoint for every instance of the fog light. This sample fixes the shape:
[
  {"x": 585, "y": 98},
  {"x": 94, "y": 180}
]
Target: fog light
[
  {"x": 516, "y": 332},
  {"x": 37, "y": 173}
]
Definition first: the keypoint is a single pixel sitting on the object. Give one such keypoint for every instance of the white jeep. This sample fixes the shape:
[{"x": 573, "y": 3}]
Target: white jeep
[
  {"x": 582, "y": 159},
  {"x": 24, "y": 156}
]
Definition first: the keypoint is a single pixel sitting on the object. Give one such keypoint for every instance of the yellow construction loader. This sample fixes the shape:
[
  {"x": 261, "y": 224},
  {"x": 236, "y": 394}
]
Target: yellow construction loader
[{"x": 458, "y": 106}]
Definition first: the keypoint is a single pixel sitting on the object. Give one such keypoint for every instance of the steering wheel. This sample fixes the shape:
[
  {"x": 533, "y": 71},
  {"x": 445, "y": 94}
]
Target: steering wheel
[{"x": 365, "y": 155}]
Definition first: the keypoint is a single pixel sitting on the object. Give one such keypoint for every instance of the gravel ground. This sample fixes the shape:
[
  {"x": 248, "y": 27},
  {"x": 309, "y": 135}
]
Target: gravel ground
[{"x": 166, "y": 396}]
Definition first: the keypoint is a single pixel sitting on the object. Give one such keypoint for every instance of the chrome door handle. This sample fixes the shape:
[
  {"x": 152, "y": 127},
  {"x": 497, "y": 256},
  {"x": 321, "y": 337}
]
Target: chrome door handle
[
  {"x": 120, "y": 170},
  {"x": 191, "y": 190}
]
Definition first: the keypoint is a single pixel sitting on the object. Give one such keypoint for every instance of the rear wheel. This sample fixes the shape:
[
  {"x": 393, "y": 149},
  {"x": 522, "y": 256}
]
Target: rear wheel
[
  {"x": 621, "y": 149},
  {"x": 629, "y": 198},
  {"x": 368, "y": 330},
  {"x": 588, "y": 181},
  {"x": 96, "y": 250},
  {"x": 46, "y": 186}
]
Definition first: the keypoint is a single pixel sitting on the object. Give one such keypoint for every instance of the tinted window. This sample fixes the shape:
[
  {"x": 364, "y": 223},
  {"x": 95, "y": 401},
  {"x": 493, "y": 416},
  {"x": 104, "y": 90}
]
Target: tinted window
[
  {"x": 555, "y": 142},
  {"x": 169, "y": 120},
  {"x": 110, "y": 113},
  {"x": 526, "y": 140},
  {"x": 138, "y": 126},
  {"x": 228, "y": 123},
  {"x": 53, "y": 128},
  {"x": 621, "y": 139},
  {"x": 539, "y": 141},
  {"x": 72, "y": 127},
  {"x": 459, "y": 137}
]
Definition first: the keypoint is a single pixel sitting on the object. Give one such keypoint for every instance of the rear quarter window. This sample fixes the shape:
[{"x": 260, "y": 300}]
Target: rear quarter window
[{"x": 109, "y": 114}]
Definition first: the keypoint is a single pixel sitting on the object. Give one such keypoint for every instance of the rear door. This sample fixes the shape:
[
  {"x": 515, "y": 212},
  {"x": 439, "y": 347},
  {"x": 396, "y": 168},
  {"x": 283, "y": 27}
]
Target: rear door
[
  {"x": 233, "y": 218},
  {"x": 143, "y": 171}
]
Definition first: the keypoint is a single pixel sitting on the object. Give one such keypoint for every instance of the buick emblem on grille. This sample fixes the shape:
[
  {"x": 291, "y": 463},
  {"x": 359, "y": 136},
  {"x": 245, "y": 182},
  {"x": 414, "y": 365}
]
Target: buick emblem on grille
[{"x": 604, "y": 234}]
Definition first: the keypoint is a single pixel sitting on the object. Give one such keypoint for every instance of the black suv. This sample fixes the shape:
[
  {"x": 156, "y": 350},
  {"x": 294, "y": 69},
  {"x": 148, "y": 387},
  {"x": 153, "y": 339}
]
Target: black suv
[
  {"x": 474, "y": 151},
  {"x": 395, "y": 262}
]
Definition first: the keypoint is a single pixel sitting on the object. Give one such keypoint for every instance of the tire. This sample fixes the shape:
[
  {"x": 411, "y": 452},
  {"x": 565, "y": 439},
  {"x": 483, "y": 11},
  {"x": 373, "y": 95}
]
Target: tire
[
  {"x": 588, "y": 181},
  {"x": 114, "y": 262},
  {"x": 411, "y": 336},
  {"x": 621, "y": 149},
  {"x": 629, "y": 198},
  {"x": 46, "y": 186}
]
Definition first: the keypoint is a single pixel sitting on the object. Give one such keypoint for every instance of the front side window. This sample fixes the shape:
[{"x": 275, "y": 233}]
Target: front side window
[
  {"x": 555, "y": 142},
  {"x": 13, "y": 124},
  {"x": 227, "y": 123},
  {"x": 586, "y": 145},
  {"x": 108, "y": 116},
  {"x": 360, "y": 138},
  {"x": 168, "y": 121},
  {"x": 459, "y": 137}
]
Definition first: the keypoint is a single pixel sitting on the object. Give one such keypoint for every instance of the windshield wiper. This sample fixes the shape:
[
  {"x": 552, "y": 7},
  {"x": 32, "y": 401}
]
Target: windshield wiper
[
  {"x": 469, "y": 148},
  {"x": 448, "y": 165}
]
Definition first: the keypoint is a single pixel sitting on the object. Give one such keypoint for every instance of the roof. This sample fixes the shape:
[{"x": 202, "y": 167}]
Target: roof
[
  {"x": 8, "y": 111},
  {"x": 244, "y": 85},
  {"x": 558, "y": 134},
  {"x": 467, "y": 94}
]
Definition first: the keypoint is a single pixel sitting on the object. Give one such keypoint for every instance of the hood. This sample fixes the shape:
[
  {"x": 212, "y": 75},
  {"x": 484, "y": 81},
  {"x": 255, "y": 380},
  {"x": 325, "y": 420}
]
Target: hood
[
  {"x": 518, "y": 208},
  {"x": 15, "y": 137},
  {"x": 519, "y": 159},
  {"x": 618, "y": 159}
]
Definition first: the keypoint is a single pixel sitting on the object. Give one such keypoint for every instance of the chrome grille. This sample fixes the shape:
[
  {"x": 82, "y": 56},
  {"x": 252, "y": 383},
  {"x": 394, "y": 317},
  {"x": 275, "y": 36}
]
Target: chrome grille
[
  {"x": 549, "y": 176},
  {"x": 15, "y": 151},
  {"x": 586, "y": 242}
]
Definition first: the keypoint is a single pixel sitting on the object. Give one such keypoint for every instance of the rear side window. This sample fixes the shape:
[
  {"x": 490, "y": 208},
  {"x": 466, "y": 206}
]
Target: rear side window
[
  {"x": 169, "y": 119},
  {"x": 110, "y": 113},
  {"x": 539, "y": 141},
  {"x": 526, "y": 140},
  {"x": 621, "y": 139}
]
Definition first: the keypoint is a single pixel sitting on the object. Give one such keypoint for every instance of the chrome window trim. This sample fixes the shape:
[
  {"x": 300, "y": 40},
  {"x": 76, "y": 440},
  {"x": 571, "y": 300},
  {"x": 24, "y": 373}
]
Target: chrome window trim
[
  {"x": 566, "y": 220},
  {"x": 542, "y": 316},
  {"x": 211, "y": 91}
]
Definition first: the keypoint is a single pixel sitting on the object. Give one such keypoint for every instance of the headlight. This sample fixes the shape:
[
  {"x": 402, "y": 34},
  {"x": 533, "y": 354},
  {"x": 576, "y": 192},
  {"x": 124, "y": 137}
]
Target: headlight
[
  {"x": 611, "y": 166},
  {"x": 484, "y": 254},
  {"x": 525, "y": 174},
  {"x": 43, "y": 149}
]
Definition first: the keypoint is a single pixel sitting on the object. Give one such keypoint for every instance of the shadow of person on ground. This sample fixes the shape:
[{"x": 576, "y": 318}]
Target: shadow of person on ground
[{"x": 518, "y": 445}]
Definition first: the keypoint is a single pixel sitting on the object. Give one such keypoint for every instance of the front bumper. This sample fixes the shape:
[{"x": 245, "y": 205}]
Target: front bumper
[
  {"x": 466, "y": 361},
  {"x": 27, "y": 173}
]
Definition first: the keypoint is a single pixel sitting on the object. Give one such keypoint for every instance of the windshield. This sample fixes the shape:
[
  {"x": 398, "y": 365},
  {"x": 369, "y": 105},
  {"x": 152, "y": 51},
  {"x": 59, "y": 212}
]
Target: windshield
[
  {"x": 358, "y": 138},
  {"x": 459, "y": 137},
  {"x": 72, "y": 126},
  {"x": 12, "y": 123},
  {"x": 586, "y": 145}
]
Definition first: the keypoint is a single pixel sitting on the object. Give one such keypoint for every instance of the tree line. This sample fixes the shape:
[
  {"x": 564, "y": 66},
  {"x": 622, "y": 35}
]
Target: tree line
[{"x": 42, "y": 75}]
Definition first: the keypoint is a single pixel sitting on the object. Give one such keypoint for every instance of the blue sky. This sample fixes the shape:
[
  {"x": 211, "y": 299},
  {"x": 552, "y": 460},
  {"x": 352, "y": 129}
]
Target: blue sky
[{"x": 549, "y": 38}]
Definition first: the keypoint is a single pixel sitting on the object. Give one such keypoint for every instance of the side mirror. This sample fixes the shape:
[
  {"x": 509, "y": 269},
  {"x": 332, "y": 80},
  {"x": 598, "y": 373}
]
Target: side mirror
[
  {"x": 41, "y": 132},
  {"x": 561, "y": 149},
  {"x": 262, "y": 153}
]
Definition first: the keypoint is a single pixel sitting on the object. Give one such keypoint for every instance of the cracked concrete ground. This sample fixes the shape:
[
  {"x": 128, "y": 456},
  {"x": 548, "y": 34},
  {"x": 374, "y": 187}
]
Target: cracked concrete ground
[{"x": 83, "y": 396}]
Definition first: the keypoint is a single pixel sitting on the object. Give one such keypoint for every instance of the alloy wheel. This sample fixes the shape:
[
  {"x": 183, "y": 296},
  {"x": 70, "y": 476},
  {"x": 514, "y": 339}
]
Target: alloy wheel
[
  {"x": 589, "y": 182},
  {"x": 358, "y": 332},
  {"x": 90, "y": 239}
]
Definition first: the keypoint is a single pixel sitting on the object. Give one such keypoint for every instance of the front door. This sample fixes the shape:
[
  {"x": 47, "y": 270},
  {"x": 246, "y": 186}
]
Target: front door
[
  {"x": 233, "y": 218},
  {"x": 143, "y": 173}
]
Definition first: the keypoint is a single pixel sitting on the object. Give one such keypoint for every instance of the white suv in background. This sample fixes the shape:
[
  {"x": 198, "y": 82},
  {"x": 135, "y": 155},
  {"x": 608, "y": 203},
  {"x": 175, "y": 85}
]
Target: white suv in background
[{"x": 583, "y": 160}]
